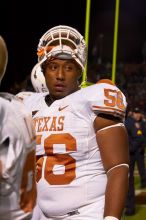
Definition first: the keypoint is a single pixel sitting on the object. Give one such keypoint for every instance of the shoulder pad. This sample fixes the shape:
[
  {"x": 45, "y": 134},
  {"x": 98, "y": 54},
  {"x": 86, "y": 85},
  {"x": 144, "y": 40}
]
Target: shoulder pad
[
  {"x": 24, "y": 95},
  {"x": 107, "y": 98}
]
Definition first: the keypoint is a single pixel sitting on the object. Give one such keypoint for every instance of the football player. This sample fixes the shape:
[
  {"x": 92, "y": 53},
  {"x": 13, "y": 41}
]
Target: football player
[
  {"x": 82, "y": 144},
  {"x": 17, "y": 154}
]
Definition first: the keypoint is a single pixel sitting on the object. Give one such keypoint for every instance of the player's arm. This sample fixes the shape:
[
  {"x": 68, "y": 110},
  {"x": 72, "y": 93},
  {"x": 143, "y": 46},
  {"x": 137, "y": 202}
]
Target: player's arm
[{"x": 113, "y": 144}]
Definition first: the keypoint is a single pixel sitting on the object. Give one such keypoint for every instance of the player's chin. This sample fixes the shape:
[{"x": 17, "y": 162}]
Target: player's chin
[
  {"x": 60, "y": 94},
  {"x": 62, "y": 91}
]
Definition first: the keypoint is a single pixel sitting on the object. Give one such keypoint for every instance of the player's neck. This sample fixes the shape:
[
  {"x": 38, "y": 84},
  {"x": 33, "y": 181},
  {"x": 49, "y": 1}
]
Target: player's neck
[{"x": 49, "y": 99}]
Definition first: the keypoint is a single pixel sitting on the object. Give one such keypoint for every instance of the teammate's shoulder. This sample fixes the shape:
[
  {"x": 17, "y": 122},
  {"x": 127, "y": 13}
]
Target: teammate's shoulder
[
  {"x": 24, "y": 95},
  {"x": 29, "y": 96},
  {"x": 7, "y": 96},
  {"x": 6, "y": 101},
  {"x": 3, "y": 103},
  {"x": 8, "y": 107}
]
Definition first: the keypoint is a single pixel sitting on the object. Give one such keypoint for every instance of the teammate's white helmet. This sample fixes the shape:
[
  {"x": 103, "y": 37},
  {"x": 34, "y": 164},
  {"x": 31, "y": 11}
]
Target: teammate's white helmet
[
  {"x": 38, "y": 80},
  {"x": 3, "y": 57},
  {"x": 62, "y": 42}
]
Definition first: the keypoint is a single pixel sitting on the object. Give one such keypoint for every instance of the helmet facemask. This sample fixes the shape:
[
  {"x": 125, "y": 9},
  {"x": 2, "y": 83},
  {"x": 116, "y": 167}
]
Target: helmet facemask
[{"x": 62, "y": 42}]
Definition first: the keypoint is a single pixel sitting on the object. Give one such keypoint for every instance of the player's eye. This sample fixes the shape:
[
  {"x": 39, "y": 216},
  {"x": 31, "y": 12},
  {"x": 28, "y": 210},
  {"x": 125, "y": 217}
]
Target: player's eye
[
  {"x": 68, "y": 67},
  {"x": 52, "y": 66}
]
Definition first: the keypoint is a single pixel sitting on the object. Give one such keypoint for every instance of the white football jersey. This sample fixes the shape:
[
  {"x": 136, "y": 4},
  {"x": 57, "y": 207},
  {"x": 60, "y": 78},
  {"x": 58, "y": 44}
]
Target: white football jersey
[
  {"x": 17, "y": 161},
  {"x": 70, "y": 172}
]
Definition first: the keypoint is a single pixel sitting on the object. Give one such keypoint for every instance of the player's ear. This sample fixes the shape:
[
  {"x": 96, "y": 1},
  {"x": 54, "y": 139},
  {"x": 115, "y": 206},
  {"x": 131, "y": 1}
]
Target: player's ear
[{"x": 80, "y": 79}]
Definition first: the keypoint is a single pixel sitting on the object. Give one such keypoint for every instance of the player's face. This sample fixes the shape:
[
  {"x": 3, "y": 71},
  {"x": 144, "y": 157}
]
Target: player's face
[{"x": 61, "y": 77}]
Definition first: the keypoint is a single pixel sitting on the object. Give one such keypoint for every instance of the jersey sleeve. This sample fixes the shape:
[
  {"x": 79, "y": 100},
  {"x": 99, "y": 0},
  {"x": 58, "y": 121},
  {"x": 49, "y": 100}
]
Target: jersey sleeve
[
  {"x": 107, "y": 98},
  {"x": 17, "y": 160}
]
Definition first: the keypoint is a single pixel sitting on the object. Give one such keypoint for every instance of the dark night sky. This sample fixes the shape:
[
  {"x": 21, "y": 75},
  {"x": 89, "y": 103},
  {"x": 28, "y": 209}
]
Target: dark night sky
[{"x": 22, "y": 26}]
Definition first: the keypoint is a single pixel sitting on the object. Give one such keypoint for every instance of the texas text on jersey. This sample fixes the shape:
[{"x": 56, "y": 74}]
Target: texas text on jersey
[{"x": 67, "y": 149}]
